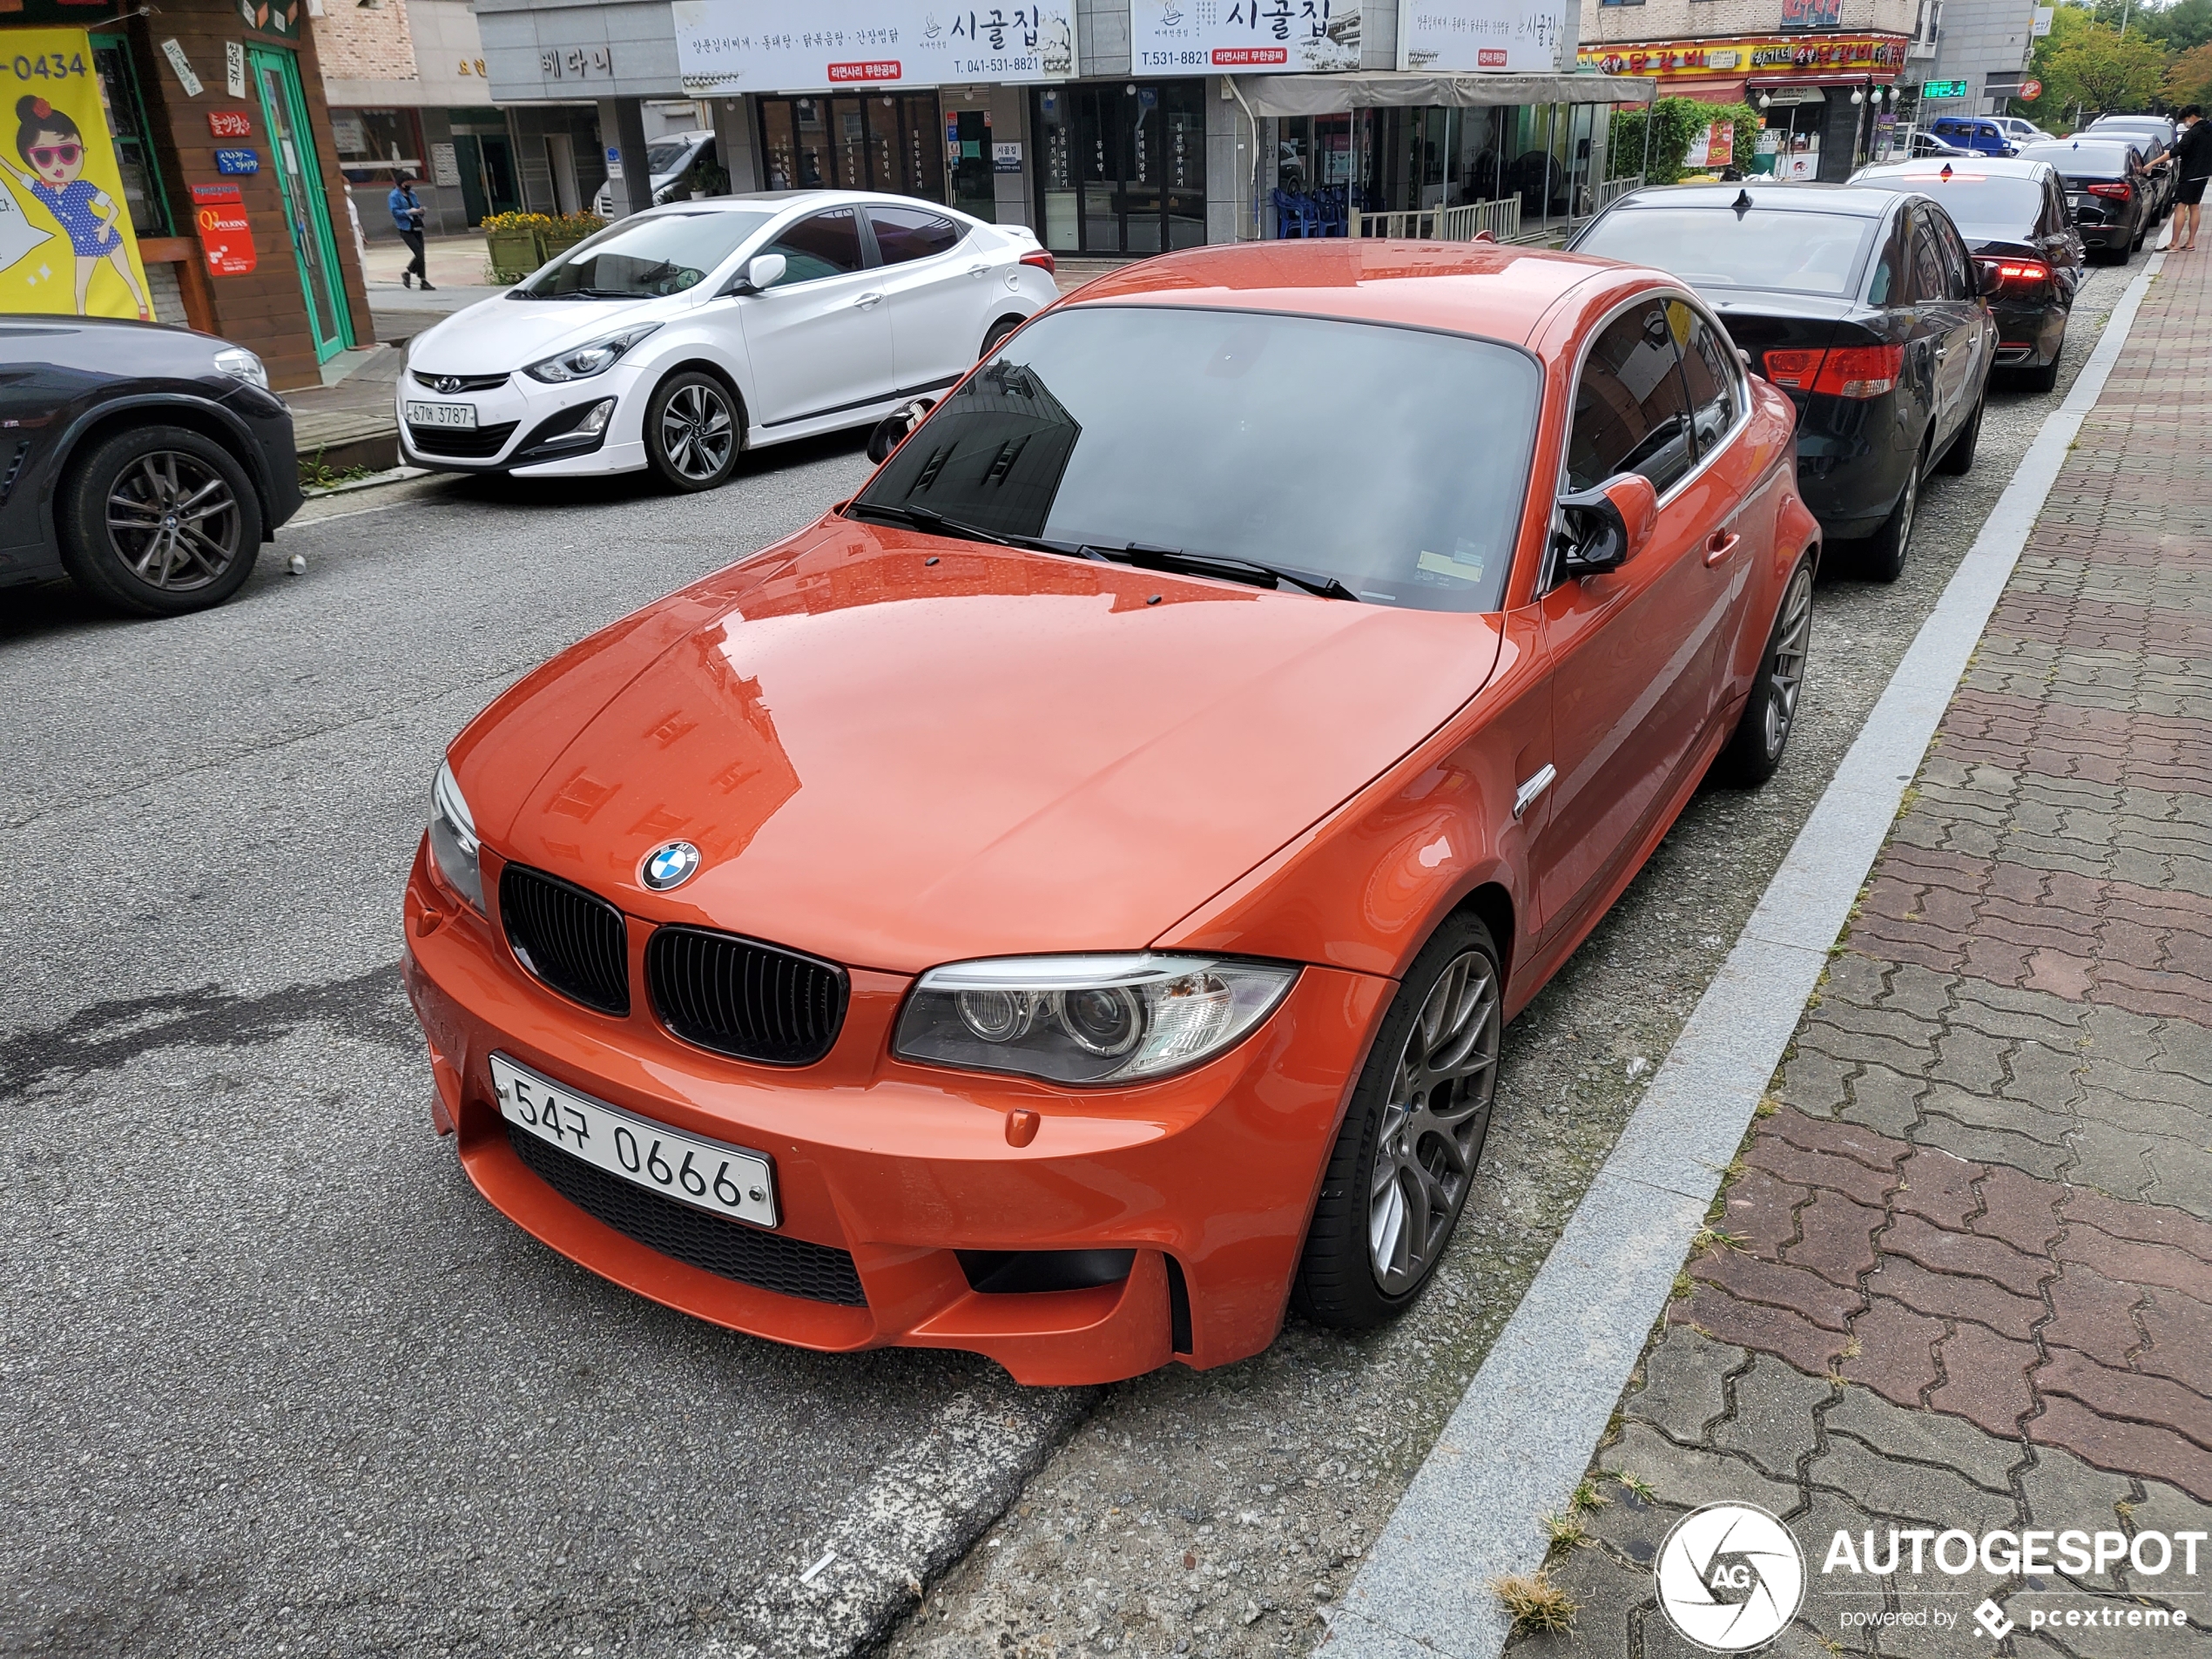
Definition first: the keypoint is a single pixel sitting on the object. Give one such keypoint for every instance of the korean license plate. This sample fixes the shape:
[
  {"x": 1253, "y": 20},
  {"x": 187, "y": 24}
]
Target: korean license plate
[
  {"x": 726, "y": 1180},
  {"x": 460, "y": 414}
]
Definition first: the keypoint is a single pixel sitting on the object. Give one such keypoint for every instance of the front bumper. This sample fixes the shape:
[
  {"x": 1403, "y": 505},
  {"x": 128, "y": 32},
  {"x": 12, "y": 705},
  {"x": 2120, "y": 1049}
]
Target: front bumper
[
  {"x": 520, "y": 423},
  {"x": 1209, "y": 1178}
]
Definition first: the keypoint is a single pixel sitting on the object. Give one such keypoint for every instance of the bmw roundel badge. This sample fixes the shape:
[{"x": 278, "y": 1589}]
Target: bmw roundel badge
[{"x": 669, "y": 865}]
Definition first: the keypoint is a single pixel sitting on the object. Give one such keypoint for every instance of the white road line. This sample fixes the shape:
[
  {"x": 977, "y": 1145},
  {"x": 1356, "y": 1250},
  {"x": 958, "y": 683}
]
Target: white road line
[{"x": 1523, "y": 1432}]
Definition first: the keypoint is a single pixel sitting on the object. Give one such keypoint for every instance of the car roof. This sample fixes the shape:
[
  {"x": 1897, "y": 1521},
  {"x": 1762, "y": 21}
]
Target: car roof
[
  {"x": 2049, "y": 145},
  {"x": 1489, "y": 289},
  {"x": 1769, "y": 195},
  {"x": 1933, "y": 167},
  {"x": 781, "y": 199},
  {"x": 2132, "y": 120}
]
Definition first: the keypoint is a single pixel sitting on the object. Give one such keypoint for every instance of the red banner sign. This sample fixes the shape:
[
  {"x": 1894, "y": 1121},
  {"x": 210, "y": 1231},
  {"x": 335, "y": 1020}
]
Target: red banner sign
[
  {"x": 230, "y": 123},
  {"x": 840, "y": 73},
  {"x": 226, "y": 237}
]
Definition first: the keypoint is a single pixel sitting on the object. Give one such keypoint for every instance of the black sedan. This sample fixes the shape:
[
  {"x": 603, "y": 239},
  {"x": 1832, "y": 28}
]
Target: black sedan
[
  {"x": 2109, "y": 189},
  {"x": 2014, "y": 218},
  {"x": 147, "y": 464},
  {"x": 1862, "y": 304}
]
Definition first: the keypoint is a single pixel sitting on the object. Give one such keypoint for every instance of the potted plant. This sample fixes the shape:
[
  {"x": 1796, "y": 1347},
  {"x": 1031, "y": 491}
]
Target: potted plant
[{"x": 515, "y": 243}]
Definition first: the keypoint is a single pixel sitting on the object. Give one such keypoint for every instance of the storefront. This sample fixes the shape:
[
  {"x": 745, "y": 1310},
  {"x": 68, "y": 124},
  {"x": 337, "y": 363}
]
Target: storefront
[
  {"x": 1829, "y": 99},
  {"x": 1120, "y": 167},
  {"x": 203, "y": 125}
]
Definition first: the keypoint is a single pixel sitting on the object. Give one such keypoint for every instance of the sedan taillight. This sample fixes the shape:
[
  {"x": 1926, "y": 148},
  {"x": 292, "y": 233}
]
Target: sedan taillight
[
  {"x": 1042, "y": 259},
  {"x": 1846, "y": 371},
  {"x": 2119, "y": 192},
  {"x": 2016, "y": 276}
]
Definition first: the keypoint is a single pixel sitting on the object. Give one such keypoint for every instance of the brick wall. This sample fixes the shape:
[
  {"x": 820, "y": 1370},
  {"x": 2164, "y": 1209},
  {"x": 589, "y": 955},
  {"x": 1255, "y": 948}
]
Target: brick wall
[{"x": 366, "y": 42}]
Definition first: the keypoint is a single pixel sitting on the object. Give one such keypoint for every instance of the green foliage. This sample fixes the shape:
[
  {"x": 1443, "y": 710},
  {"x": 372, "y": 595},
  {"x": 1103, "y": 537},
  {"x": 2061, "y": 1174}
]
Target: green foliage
[
  {"x": 2088, "y": 64},
  {"x": 2188, "y": 79},
  {"x": 2179, "y": 27},
  {"x": 1675, "y": 122}
]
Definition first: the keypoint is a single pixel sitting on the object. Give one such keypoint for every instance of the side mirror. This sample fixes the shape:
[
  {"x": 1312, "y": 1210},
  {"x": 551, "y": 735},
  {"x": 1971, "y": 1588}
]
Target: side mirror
[
  {"x": 762, "y": 270},
  {"x": 1604, "y": 529},
  {"x": 890, "y": 431}
]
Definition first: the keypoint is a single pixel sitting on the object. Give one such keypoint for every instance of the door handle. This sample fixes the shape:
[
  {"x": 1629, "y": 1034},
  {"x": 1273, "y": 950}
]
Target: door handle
[
  {"x": 977, "y": 270},
  {"x": 1720, "y": 544},
  {"x": 867, "y": 299},
  {"x": 1525, "y": 796}
]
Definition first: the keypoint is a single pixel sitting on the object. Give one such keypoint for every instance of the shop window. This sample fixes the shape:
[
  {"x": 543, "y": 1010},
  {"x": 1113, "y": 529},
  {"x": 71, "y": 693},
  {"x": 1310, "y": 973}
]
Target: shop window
[
  {"x": 375, "y": 145},
  {"x": 126, "y": 121}
]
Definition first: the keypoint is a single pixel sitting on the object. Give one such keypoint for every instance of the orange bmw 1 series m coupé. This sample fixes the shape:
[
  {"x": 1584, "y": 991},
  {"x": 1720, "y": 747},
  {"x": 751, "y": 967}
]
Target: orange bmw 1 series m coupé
[{"x": 1066, "y": 902}]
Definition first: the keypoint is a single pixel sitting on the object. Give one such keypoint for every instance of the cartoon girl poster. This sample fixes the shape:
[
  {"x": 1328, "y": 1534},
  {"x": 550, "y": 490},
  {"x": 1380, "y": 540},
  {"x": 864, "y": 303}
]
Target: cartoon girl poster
[{"x": 60, "y": 169}]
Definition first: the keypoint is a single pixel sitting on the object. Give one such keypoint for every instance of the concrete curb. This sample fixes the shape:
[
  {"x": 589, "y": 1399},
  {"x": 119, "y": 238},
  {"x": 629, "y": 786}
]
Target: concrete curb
[{"x": 1523, "y": 1432}]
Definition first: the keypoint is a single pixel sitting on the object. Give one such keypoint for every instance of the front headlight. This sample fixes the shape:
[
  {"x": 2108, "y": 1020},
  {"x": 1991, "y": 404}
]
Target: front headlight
[
  {"x": 452, "y": 840},
  {"x": 582, "y": 362},
  {"x": 242, "y": 365},
  {"x": 1087, "y": 1019}
]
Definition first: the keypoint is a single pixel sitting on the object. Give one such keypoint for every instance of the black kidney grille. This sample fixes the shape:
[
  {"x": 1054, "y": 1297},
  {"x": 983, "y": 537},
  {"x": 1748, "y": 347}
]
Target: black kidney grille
[
  {"x": 739, "y": 997},
  {"x": 727, "y": 1249},
  {"x": 572, "y": 940}
]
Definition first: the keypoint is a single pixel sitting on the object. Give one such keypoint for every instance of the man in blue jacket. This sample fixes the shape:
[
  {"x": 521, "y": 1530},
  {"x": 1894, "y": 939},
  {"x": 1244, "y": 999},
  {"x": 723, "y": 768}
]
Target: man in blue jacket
[{"x": 406, "y": 219}]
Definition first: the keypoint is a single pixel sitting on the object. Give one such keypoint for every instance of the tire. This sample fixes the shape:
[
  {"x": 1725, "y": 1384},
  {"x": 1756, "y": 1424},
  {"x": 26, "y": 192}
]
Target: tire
[
  {"x": 1882, "y": 556},
  {"x": 1959, "y": 457},
  {"x": 2044, "y": 378},
  {"x": 2121, "y": 254},
  {"x": 1372, "y": 1246},
  {"x": 1761, "y": 734},
  {"x": 996, "y": 336},
  {"x": 159, "y": 521},
  {"x": 692, "y": 431}
]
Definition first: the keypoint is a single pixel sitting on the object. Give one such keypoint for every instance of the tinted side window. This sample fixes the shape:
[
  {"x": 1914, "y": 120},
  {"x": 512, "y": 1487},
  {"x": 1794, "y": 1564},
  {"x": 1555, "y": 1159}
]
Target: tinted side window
[
  {"x": 1709, "y": 365},
  {"x": 1631, "y": 413},
  {"x": 1886, "y": 285},
  {"x": 822, "y": 245},
  {"x": 1927, "y": 280},
  {"x": 903, "y": 233},
  {"x": 1953, "y": 253}
]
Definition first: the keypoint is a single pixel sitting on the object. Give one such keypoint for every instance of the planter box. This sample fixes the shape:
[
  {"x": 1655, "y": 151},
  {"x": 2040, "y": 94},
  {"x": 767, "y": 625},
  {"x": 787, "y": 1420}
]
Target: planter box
[
  {"x": 559, "y": 243},
  {"x": 514, "y": 254}
]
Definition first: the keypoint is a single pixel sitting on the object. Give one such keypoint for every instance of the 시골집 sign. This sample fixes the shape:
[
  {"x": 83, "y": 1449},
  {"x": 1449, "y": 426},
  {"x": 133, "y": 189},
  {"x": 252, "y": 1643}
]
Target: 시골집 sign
[
  {"x": 728, "y": 46},
  {"x": 1244, "y": 36},
  {"x": 1456, "y": 37}
]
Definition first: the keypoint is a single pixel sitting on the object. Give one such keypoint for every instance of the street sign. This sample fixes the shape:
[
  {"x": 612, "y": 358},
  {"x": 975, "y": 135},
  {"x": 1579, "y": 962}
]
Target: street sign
[
  {"x": 2031, "y": 90},
  {"x": 1941, "y": 89}
]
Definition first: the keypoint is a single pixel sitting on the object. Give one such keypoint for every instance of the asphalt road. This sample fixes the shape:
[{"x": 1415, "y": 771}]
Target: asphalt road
[{"x": 278, "y": 1382}]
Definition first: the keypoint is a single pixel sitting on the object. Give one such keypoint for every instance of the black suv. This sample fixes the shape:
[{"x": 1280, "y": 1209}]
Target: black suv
[{"x": 147, "y": 464}]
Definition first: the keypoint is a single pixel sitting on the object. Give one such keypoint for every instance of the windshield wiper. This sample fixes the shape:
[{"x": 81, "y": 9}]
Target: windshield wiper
[
  {"x": 928, "y": 518},
  {"x": 1169, "y": 558}
]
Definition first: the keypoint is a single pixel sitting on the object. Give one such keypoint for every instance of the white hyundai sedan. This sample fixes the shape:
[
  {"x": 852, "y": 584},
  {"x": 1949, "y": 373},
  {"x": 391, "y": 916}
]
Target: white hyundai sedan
[{"x": 685, "y": 333}]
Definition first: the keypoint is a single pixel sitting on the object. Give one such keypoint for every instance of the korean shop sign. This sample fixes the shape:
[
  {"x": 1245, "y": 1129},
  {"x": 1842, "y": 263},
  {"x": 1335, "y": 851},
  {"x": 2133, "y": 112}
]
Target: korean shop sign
[
  {"x": 730, "y": 46},
  {"x": 1454, "y": 37},
  {"x": 225, "y": 238},
  {"x": 1769, "y": 54},
  {"x": 1244, "y": 36}
]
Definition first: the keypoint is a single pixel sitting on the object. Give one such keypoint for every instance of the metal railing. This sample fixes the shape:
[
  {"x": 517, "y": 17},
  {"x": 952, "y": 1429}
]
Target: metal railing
[
  {"x": 1461, "y": 223},
  {"x": 1613, "y": 189}
]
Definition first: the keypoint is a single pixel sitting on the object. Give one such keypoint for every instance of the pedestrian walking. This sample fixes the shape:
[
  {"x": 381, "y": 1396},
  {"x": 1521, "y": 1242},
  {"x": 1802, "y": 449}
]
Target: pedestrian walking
[
  {"x": 2193, "y": 155},
  {"x": 406, "y": 219}
]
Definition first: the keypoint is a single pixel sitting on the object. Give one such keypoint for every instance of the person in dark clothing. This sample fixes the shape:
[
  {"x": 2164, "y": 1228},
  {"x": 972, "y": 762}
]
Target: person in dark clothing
[
  {"x": 406, "y": 219},
  {"x": 2192, "y": 159}
]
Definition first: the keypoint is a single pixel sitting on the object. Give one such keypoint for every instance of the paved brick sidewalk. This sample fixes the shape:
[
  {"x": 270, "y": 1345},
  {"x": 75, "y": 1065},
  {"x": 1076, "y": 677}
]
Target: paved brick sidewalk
[{"x": 1964, "y": 1276}]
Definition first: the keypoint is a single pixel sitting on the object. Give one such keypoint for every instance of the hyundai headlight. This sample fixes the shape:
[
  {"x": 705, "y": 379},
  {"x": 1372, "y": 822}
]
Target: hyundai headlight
[
  {"x": 582, "y": 362},
  {"x": 1087, "y": 1019},
  {"x": 242, "y": 365},
  {"x": 452, "y": 840}
]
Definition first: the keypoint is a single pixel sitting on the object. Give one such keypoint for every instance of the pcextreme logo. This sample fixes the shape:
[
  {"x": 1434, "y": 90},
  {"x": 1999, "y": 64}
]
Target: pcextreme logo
[{"x": 1732, "y": 1576}]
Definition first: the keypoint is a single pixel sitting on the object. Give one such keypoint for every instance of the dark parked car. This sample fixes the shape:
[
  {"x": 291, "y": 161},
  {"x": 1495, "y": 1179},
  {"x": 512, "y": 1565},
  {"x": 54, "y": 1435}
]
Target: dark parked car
[
  {"x": 147, "y": 464},
  {"x": 1863, "y": 305},
  {"x": 2109, "y": 188},
  {"x": 2154, "y": 136},
  {"x": 2021, "y": 233}
]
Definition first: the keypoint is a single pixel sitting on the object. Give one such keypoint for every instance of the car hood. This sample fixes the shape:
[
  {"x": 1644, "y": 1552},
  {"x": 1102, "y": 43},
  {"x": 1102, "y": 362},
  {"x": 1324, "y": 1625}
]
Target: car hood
[
  {"x": 500, "y": 335},
  {"x": 896, "y": 750}
]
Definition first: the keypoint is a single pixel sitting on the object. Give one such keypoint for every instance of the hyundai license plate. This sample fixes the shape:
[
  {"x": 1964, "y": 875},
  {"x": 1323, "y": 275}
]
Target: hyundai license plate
[
  {"x": 726, "y": 1180},
  {"x": 460, "y": 414}
]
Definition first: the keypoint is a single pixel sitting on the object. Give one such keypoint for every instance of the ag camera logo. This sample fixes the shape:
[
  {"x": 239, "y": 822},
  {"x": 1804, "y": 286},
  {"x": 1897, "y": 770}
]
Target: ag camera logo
[{"x": 1730, "y": 1577}]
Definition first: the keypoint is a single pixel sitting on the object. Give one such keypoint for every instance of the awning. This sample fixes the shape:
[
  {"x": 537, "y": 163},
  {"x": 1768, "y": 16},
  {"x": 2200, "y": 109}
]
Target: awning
[{"x": 1282, "y": 94}]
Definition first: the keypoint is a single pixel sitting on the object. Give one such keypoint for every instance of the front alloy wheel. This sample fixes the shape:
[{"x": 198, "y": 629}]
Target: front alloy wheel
[
  {"x": 1404, "y": 1162},
  {"x": 159, "y": 521},
  {"x": 692, "y": 432}
]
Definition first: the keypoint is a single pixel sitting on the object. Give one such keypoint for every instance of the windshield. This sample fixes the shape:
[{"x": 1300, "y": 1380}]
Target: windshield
[
  {"x": 663, "y": 156},
  {"x": 1985, "y": 209},
  {"x": 1395, "y": 459},
  {"x": 642, "y": 259},
  {"x": 1717, "y": 247},
  {"x": 2081, "y": 160}
]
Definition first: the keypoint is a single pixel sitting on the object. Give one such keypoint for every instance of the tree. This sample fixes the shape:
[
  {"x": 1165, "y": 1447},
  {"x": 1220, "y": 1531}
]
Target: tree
[
  {"x": 2182, "y": 26},
  {"x": 2189, "y": 80},
  {"x": 2086, "y": 64}
]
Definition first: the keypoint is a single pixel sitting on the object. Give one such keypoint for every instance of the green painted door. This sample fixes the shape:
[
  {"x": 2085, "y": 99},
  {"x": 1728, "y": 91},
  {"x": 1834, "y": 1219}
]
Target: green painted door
[{"x": 292, "y": 154}]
